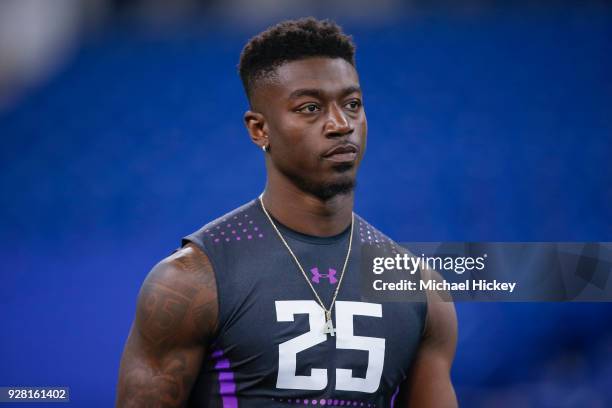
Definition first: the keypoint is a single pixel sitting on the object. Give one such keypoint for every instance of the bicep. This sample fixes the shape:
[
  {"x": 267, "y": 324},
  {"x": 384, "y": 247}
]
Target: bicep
[
  {"x": 156, "y": 377},
  {"x": 176, "y": 312}
]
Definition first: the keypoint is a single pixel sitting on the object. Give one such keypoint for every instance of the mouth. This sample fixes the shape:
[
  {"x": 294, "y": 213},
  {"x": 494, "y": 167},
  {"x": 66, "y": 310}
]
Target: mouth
[{"x": 346, "y": 152}]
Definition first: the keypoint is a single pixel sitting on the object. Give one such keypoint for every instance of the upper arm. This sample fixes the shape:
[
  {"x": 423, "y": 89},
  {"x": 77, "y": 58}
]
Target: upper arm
[
  {"x": 176, "y": 313},
  {"x": 429, "y": 384}
]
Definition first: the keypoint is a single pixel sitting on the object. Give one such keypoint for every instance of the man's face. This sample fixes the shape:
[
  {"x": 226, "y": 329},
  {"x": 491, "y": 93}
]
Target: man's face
[{"x": 316, "y": 124}]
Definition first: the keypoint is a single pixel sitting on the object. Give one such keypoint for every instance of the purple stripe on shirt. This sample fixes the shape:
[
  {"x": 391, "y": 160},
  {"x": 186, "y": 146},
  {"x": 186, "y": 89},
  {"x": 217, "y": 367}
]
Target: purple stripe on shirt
[
  {"x": 227, "y": 384},
  {"x": 394, "y": 396}
]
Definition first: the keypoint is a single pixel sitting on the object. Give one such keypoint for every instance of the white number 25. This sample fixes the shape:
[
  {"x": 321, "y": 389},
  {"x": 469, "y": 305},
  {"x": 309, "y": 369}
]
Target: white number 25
[{"x": 317, "y": 380}]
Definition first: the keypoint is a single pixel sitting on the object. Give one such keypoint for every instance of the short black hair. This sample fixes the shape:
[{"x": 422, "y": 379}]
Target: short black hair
[{"x": 292, "y": 40}]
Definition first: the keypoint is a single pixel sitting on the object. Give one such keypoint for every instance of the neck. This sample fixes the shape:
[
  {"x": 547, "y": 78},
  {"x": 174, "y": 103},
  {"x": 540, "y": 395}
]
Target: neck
[{"x": 306, "y": 213}]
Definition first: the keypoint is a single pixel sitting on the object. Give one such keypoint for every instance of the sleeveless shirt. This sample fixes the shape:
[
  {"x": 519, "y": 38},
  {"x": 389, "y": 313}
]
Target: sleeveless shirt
[{"x": 270, "y": 349}]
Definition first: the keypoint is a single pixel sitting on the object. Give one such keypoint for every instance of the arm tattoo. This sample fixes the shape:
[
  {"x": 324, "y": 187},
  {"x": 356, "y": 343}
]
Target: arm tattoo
[
  {"x": 162, "y": 311},
  {"x": 176, "y": 314}
]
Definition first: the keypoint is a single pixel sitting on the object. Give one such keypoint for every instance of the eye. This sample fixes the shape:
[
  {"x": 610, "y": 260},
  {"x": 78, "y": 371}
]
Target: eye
[
  {"x": 309, "y": 108},
  {"x": 354, "y": 105}
]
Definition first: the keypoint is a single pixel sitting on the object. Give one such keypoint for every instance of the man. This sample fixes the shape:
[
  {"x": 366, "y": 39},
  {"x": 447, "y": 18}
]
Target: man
[{"x": 262, "y": 307}]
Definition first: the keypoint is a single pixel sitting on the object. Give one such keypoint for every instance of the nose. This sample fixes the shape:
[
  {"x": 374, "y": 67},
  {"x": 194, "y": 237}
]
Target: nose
[{"x": 337, "y": 124}]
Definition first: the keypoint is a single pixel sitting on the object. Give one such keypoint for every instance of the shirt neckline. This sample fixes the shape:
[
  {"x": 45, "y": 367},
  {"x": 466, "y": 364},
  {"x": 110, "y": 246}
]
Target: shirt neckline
[{"x": 311, "y": 239}]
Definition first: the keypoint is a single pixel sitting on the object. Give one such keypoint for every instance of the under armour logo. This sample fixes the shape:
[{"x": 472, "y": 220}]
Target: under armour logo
[{"x": 316, "y": 276}]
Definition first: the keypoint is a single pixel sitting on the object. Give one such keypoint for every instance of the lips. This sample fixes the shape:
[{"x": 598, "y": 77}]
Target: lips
[{"x": 346, "y": 152}]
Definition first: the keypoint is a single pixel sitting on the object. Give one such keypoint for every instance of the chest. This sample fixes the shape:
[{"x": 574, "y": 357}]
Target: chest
[
  {"x": 278, "y": 342},
  {"x": 272, "y": 330}
]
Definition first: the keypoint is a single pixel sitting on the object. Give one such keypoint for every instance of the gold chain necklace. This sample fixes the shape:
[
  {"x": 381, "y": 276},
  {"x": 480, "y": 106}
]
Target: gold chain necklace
[{"x": 329, "y": 327}]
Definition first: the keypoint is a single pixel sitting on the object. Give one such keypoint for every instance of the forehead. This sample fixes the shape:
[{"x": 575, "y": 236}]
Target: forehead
[{"x": 330, "y": 75}]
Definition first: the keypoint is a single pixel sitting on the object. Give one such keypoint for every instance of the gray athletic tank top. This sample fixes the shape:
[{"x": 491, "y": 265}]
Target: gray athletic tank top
[{"x": 270, "y": 349}]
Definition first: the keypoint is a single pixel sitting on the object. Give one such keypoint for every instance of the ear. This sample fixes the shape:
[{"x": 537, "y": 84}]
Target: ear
[{"x": 256, "y": 125}]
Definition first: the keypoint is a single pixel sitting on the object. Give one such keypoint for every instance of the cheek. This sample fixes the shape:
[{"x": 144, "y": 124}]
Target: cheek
[
  {"x": 364, "y": 130},
  {"x": 296, "y": 138},
  {"x": 364, "y": 123},
  {"x": 363, "y": 127}
]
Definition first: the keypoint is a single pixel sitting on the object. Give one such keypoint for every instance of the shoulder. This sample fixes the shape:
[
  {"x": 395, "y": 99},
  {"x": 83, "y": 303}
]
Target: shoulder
[
  {"x": 186, "y": 270},
  {"x": 179, "y": 298},
  {"x": 370, "y": 235},
  {"x": 236, "y": 224},
  {"x": 440, "y": 316}
]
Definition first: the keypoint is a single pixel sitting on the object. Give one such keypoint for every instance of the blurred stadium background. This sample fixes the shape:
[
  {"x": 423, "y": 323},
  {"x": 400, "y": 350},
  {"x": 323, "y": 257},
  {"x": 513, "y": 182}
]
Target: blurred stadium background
[{"x": 121, "y": 130}]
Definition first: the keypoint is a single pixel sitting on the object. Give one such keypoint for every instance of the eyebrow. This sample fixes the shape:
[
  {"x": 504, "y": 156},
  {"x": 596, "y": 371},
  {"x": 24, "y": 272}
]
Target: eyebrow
[{"x": 317, "y": 93}]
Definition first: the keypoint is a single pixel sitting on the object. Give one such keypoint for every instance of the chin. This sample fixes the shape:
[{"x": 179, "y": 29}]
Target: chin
[
  {"x": 328, "y": 189},
  {"x": 342, "y": 181},
  {"x": 337, "y": 186},
  {"x": 344, "y": 167}
]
